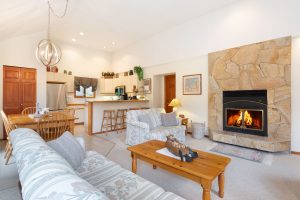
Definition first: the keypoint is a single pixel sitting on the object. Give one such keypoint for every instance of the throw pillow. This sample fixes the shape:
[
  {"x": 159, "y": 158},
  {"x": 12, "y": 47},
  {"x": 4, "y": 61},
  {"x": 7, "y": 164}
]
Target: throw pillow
[
  {"x": 146, "y": 119},
  {"x": 169, "y": 119},
  {"x": 69, "y": 148}
]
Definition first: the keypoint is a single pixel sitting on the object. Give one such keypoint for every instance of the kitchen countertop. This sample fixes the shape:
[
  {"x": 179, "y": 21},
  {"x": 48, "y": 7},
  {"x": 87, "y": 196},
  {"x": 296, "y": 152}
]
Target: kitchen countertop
[{"x": 115, "y": 101}]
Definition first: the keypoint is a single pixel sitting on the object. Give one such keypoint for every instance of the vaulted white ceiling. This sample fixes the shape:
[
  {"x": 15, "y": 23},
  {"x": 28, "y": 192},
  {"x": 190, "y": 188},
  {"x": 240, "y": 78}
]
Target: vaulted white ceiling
[{"x": 102, "y": 21}]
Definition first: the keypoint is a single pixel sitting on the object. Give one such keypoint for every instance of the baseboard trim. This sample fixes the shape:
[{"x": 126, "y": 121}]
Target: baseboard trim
[{"x": 295, "y": 153}]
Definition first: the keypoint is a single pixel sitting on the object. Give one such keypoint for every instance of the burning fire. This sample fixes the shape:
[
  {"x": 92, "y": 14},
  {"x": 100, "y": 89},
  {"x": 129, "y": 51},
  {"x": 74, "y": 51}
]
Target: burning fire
[
  {"x": 247, "y": 118},
  {"x": 238, "y": 119}
]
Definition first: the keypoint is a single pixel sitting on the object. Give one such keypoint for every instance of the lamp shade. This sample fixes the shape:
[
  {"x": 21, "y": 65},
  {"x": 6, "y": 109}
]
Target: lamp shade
[{"x": 175, "y": 103}]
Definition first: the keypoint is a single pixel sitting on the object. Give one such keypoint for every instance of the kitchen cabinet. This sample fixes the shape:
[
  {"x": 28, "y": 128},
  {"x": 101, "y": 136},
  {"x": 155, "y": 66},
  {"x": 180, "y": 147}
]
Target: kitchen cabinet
[
  {"x": 107, "y": 86},
  {"x": 61, "y": 78}
]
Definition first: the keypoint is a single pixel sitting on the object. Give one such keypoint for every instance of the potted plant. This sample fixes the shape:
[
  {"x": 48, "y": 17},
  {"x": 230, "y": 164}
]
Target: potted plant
[{"x": 139, "y": 71}]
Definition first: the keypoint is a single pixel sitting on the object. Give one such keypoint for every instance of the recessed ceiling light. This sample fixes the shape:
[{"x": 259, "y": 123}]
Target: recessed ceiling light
[
  {"x": 104, "y": 47},
  {"x": 113, "y": 43},
  {"x": 81, "y": 33},
  {"x": 73, "y": 39}
]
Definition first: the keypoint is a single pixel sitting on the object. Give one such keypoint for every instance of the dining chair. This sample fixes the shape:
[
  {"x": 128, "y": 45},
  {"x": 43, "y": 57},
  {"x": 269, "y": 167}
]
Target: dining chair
[
  {"x": 53, "y": 125},
  {"x": 28, "y": 110},
  {"x": 69, "y": 111},
  {"x": 8, "y": 128}
]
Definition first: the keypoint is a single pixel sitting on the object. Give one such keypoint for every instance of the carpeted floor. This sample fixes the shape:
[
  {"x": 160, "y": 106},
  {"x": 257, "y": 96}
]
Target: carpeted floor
[{"x": 244, "y": 179}]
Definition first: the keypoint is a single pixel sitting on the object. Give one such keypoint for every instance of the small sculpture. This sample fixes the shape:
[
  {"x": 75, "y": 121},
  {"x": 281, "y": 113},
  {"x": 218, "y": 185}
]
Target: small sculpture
[{"x": 184, "y": 152}]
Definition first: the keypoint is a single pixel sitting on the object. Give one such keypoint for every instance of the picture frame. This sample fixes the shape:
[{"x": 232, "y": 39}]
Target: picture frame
[
  {"x": 192, "y": 84},
  {"x": 147, "y": 86}
]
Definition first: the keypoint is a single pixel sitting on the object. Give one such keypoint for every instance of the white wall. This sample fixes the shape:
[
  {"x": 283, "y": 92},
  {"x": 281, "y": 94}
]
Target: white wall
[
  {"x": 82, "y": 61},
  {"x": 193, "y": 106},
  {"x": 20, "y": 51},
  {"x": 241, "y": 23},
  {"x": 295, "y": 94}
]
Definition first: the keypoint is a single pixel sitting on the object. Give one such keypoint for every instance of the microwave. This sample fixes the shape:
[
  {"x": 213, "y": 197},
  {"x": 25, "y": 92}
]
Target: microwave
[{"x": 120, "y": 90}]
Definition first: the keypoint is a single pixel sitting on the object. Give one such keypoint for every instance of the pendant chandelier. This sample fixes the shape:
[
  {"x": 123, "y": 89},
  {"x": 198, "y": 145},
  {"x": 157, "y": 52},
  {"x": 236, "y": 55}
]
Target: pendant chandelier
[{"x": 47, "y": 52}]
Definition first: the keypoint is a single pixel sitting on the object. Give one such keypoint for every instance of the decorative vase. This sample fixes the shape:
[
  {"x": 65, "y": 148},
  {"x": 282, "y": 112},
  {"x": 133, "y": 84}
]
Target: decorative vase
[
  {"x": 54, "y": 69},
  {"x": 130, "y": 72}
]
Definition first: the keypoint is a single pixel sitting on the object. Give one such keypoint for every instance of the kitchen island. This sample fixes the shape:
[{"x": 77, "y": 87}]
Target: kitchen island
[{"x": 95, "y": 108}]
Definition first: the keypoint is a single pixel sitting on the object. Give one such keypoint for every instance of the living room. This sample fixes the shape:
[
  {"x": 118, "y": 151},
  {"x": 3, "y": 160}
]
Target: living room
[{"x": 227, "y": 46}]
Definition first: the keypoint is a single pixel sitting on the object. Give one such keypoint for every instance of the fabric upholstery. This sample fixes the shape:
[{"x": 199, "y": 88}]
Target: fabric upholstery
[
  {"x": 114, "y": 181},
  {"x": 169, "y": 196},
  {"x": 44, "y": 174},
  {"x": 145, "y": 118},
  {"x": 169, "y": 119},
  {"x": 69, "y": 148},
  {"x": 138, "y": 132}
]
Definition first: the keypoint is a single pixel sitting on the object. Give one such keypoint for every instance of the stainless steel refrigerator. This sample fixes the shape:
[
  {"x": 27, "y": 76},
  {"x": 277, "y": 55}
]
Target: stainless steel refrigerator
[{"x": 56, "y": 96}]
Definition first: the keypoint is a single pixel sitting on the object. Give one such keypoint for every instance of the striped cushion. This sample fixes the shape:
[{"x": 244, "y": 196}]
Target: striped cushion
[
  {"x": 169, "y": 196},
  {"x": 69, "y": 148},
  {"x": 116, "y": 182},
  {"x": 44, "y": 174}
]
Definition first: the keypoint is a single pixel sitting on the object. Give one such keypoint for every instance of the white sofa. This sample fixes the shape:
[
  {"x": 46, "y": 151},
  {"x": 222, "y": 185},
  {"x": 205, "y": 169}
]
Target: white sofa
[
  {"x": 44, "y": 174},
  {"x": 138, "y": 132}
]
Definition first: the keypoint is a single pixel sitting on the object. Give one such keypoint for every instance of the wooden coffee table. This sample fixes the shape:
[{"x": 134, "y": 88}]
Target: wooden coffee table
[{"x": 203, "y": 169}]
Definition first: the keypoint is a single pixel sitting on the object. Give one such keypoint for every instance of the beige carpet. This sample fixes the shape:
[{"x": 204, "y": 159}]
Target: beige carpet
[{"x": 244, "y": 180}]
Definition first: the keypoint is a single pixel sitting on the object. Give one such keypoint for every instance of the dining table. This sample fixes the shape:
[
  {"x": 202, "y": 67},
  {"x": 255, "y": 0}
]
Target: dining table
[{"x": 28, "y": 121}]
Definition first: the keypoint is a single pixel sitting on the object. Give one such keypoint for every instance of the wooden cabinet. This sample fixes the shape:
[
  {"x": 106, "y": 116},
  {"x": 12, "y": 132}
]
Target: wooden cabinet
[
  {"x": 19, "y": 89},
  {"x": 62, "y": 78},
  {"x": 107, "y": 86}
]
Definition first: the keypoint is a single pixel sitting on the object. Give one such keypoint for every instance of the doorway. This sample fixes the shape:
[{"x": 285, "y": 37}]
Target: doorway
[
  {"x": 170, "y": 91},
  {"x": 19, "y": 89}
]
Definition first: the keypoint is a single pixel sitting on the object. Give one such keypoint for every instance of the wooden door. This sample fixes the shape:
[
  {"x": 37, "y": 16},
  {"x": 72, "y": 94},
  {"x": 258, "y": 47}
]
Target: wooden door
[
  {"x": 28, "y": 87},
  {"x": 170, "y": 91},
  {"x": 19, "y": 89},
  {"x": 11, "y": 90}
]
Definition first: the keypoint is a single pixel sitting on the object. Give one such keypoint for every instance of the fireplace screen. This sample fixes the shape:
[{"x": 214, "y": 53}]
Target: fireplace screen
[{"x": 244, "y": 119}]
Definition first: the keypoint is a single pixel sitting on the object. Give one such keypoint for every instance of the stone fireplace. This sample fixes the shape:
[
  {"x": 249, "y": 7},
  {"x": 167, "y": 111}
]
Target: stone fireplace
[
  {"x": 245, "y": 111},
  {"x": 250, "y": 95}
]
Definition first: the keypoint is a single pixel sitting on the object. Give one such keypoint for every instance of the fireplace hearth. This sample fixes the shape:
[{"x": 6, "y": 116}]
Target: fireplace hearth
[{"x": 245, "y": 111}]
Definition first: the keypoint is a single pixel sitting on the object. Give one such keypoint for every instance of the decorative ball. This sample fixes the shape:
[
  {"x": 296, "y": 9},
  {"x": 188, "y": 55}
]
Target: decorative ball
[{"x": 48, "y": 53}]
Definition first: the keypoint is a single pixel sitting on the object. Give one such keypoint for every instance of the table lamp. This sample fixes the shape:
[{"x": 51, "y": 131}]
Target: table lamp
[{"x": 175, "y": 103}]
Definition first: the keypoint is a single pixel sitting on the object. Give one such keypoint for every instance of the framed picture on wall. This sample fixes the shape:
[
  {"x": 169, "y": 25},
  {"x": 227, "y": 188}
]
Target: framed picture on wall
[
  {"x": 192, "y": 84},
  {"x": 147, "y": 85}
]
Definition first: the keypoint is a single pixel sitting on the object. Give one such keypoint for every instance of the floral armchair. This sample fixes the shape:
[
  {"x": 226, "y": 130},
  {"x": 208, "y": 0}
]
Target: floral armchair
[{"x": 138, "y": 132}]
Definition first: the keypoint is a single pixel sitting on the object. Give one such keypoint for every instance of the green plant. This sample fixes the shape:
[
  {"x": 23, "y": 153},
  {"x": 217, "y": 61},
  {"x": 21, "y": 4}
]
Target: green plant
[{"x": 139, "y": 71}]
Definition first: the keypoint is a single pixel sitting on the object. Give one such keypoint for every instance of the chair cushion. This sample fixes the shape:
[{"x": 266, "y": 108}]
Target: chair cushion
[
  {"x": 146, "y": 119},
  {"x": 169, "y": 119},
  {"x": 154, "y": 115},
  {"x": 69, "y": 148},
  {"x": 114, "y": 181}
]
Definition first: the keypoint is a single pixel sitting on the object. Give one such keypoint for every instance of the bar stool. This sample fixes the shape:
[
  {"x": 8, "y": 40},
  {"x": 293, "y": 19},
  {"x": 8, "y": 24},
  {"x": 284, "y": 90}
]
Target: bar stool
[
  {"x": 107, "y": 121},
  {"x": 120, "y": 120}
]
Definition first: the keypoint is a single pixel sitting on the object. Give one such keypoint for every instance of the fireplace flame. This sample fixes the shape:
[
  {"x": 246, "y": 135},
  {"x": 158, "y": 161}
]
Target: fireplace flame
[
  {"x": 237, "y": 119},
  {"x": 247, "y": 118}
]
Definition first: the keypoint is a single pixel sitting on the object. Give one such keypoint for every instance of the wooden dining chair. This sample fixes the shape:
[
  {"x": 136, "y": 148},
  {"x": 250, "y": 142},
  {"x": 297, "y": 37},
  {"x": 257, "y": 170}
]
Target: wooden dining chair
[
  {"x": 8, "y": 128},
  {"x": 69, "y": 111},
  {"x": 28, "y": 110},
  {"x": 53, "y": 125}
]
